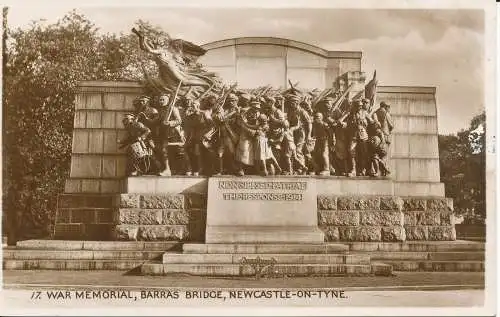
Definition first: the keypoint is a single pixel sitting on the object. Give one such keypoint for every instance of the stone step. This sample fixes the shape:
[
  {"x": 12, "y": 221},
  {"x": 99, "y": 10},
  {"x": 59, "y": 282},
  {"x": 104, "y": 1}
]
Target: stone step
[
  {"x": 278, "y": 270},
  {"x": 437, "y": 266},
  {"x": 264, "y": 234},
  {"x": 98, "y": 245},
  {"x": 15, "y": 254},
  {"x": 227, "y": 258},
  {"x": 72, "y": 265},
  {"x": 418, "y": 246},
  {"x": 324, "y": 248},
  {"x": 422, "y": 256}
]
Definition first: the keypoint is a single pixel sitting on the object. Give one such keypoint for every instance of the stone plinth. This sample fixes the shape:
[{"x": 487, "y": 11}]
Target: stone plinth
[
  {"x": 169, "y": 184},
  {"x": 259, "y": 209}
]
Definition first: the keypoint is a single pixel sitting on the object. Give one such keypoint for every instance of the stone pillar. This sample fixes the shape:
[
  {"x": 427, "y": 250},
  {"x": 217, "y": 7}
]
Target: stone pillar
[
  {"x": 97, "y": 165},
  {"x": 414, "y": 152}
]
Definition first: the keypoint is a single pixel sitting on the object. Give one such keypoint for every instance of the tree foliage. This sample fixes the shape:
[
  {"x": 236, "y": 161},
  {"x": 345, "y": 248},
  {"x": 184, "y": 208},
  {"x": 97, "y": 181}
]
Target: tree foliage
[
  {"x": 463, "y": 169},
  {"x": 43, "y": 65}
]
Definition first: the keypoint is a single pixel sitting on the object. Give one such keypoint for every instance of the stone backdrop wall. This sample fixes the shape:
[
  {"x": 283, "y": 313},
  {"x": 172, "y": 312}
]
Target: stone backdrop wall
[
  {"x": 97, "y": 165},
  {"x": 258, "y": 61},
  {"x": 414, "y": 152}
]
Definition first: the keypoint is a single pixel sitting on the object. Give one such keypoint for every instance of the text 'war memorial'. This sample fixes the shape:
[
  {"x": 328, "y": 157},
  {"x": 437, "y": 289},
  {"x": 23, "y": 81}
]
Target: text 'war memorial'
[{"x": 255, "y": 152}]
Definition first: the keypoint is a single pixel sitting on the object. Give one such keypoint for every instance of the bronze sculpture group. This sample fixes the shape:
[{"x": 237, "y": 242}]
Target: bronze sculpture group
[{"x": 194, "y": 125}]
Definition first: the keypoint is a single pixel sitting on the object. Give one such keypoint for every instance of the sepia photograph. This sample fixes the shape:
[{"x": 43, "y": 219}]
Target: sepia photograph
[{"x": 288, "y": 158}]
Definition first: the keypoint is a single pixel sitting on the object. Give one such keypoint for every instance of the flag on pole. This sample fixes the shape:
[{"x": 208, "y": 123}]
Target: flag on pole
[{"x": 371, "y": 89}]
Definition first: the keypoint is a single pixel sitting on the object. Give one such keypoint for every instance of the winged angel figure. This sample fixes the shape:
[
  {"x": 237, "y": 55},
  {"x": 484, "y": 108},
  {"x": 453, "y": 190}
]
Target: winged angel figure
[{"x": 177, "y": 68}]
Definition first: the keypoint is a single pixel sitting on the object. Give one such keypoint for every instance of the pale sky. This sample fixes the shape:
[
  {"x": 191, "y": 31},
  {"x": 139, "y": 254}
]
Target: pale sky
[{"x": 442, "y": 48}]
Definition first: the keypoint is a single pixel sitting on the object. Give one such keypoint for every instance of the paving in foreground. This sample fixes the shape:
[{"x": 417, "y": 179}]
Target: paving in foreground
[
  {"x": 117, "y": 279},
  {"x": 440, "y": 290}
]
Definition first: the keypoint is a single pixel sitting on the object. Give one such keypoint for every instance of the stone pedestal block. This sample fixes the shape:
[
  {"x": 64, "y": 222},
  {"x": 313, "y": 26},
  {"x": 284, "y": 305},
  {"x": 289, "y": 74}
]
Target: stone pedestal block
[{"x": 259, "y": 209}]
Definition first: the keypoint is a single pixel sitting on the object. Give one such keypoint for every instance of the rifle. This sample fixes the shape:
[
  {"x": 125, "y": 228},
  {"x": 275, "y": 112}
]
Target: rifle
[
  {"x": 207, "y": 136},
  {"x": 222, "y": 100},
  {"x": 321, "y": 96},
  {"x": 171, "y": 105},
  {"x": 341, "y": 98},
  {"x": 263, "y": 91}
]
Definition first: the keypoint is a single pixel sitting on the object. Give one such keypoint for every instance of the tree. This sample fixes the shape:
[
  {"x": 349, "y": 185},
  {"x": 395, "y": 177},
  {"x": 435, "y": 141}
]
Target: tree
[
  {"x": 43, "y": 65},
  {"x": 463, "y": 169}
]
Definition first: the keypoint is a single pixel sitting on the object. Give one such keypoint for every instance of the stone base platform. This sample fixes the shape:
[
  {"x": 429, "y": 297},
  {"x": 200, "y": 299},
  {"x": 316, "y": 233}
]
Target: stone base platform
[
  {"x": 264, "y": 234},
  {"x": 164, "y": 257},
  {"x": 265, "y": 259}
]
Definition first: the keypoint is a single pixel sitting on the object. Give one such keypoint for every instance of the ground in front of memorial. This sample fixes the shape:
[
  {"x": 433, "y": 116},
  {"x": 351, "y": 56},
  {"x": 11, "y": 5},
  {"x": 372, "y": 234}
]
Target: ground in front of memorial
[
  {"x": 402, "y": 280},
  {"x": 416, "y": 289}
]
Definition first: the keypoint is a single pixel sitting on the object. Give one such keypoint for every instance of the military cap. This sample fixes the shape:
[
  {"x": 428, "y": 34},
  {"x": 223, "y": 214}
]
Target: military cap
[
  {"x": 128, "y": 116},
  {"x": 245, "y": 96},
  {"x": 268, "y": 98},
  {"x": 255, "y": 104},
  {"x": 144, "y": 97},
  {"x": 232, "y": 97},
  {"x": 318, "y": 115},
  {"x": 384, "y": 104},
  {"x": 293, "y": 97}
]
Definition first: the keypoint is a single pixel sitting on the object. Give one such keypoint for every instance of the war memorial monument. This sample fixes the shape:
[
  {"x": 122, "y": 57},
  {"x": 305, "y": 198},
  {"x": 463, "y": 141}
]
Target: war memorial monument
[{"x": 256, "y": 155}]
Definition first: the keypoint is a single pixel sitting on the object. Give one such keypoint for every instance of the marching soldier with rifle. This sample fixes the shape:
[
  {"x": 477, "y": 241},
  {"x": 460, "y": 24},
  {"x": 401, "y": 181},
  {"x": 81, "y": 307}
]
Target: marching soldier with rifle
[
  {"x": 357, "y": 123},
  {"x": 301, "y": 128},
  {"x": 383, "y": 121},
  {"x": 321, "y": 154},
  {"x": 219, "y": 138},
  {"x": 249, "y": 130},
  {"x": 276, "y": 133},
  {"x": 339, "y": 156},
  {"x": 225, "y": 120},
  {"x": 193, "y": 128},
  {"x": 169, "y": 130}
]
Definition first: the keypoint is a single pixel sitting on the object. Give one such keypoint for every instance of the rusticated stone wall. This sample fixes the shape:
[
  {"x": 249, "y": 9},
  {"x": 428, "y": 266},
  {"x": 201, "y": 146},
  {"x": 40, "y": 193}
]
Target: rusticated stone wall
[
  {"x": 349, "y": 218},
  {"x": 182, "y": 217},
  {"x": 160, "y": 217}
]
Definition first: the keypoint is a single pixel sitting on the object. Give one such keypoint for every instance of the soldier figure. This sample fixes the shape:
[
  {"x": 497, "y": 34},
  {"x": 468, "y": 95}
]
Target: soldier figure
[
  {"x": 358, "y": 125},
  {"x": 277, "y": 126},
  {"x": 170, "y": 131},
  {"x": 340, "y": 154},
  {"x": 378, "y": 151},
  {"x": 145, "y": 113},
  {"x": 306, "y": 104},
  {"x": 321, "y": 155},
  {"x": 300, "y": 126},
  {"x": 225, "y": 120},
  {"x": 210, "y": 138},
  {"x": 139, "y": 153},
  {"x": 148, "y": 116},
  {"x": 250, "y": 130},
  {"x": 382, "y": 117},
  {"x": 193, "y": 123}
]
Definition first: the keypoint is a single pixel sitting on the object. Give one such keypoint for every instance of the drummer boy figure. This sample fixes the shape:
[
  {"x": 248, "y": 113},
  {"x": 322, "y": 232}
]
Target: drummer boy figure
[{"x": 136, "y": 147}]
